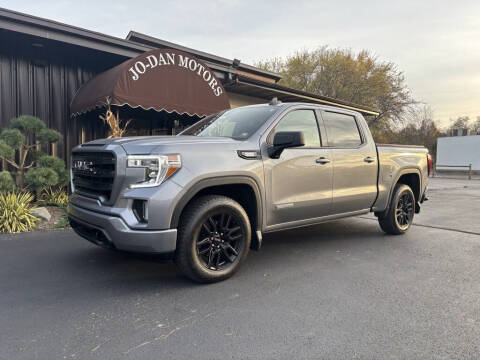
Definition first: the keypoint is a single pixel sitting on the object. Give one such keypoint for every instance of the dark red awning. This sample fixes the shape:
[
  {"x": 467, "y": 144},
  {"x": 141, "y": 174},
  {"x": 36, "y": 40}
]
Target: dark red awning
[{"x": 161, "y": 79}]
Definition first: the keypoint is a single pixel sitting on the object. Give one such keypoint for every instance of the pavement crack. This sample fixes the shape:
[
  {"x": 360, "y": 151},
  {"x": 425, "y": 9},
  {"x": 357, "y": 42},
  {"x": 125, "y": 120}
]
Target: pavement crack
[
  {"x": 99, "y": 345},
  {"x": 447, "y": 229},
  {"x": 433, "y": 227},
  {"x": 137, "y": 346},
  {"x": 184, "y": 323}
]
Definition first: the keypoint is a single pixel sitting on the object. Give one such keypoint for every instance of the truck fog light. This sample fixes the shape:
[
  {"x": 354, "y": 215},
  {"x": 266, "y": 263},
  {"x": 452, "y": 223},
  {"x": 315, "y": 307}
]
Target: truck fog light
[{"x": 140, "y": 210}]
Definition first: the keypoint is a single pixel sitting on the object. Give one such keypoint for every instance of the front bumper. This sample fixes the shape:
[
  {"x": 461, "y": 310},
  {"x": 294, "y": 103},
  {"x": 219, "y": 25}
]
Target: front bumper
[{"x": 112, "y": 232}]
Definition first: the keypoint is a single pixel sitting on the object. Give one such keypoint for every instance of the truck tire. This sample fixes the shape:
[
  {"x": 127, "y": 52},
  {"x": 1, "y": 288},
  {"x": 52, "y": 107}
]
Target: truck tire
[
  {"x": 399, "y": 216},
  {"x": 214, "y": 237}
]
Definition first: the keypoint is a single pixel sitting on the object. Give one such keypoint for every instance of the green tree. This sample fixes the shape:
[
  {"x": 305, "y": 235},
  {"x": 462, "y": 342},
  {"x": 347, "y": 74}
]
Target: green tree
[
  {"x": 16, "y": 144},
  {"x": 358, "y": 78}
]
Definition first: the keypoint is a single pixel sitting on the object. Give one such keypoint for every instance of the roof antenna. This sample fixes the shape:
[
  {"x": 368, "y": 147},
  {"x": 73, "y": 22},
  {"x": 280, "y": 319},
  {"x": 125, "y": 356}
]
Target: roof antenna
[{"x": 274, "y": 101}]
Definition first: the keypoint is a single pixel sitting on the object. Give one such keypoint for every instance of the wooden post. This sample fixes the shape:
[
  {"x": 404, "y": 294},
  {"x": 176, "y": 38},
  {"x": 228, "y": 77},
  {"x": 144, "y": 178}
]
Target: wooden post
[{"x": 469, "y": 171}]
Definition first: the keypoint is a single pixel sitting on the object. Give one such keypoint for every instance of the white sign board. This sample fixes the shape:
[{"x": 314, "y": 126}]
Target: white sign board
[{"x": 459, "y": 150}]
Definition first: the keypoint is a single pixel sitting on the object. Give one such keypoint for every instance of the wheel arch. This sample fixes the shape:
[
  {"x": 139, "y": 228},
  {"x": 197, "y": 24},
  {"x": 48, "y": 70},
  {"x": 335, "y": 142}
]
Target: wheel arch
[
  {"x": 411, "y": 177},
  {"x": 242, "y": 189}
]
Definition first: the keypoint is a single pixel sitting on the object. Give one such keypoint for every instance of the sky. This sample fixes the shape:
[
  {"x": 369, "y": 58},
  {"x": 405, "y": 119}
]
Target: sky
[{"x": 436, "y": 44}]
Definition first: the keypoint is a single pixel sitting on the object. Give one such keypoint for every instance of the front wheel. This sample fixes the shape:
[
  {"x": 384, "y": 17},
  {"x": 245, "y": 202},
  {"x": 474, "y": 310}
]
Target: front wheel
[
  {"x": 213, "y": 238},
  {"x": 399, "y": 216}
]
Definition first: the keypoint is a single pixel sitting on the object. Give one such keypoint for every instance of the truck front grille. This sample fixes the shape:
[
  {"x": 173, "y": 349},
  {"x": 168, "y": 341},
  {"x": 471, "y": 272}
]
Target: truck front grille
[{"x": 93, "y": 173}]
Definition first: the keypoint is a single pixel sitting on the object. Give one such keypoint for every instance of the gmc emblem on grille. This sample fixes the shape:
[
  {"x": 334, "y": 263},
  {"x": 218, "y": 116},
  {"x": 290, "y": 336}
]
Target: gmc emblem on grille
[{"x": 83, "y": 165}]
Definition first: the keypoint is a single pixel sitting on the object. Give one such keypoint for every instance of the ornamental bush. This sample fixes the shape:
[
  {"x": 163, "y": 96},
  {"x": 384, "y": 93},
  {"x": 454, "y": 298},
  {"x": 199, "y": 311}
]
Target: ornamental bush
[
  {"x": 16, "y": 212},
  {"x": 21, "y": 140},
  {"x": 6, "y": 182},
  {"x": 27, "y": 124},
  {"x": 57, "y": 165},
  {"x": 54, "y": 197},
  {"x": 40, "y": 178},
  {"x": 13, "y": 138}
]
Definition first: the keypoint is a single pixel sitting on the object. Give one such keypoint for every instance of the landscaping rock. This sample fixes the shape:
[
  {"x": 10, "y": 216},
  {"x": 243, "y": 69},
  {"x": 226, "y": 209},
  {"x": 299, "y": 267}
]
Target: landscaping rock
[{"x": 42, "y": 213}]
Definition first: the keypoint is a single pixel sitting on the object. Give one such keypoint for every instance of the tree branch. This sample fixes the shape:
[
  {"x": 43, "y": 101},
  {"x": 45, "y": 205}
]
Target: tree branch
[
  {"x": 24, "y": 156},
  {"x": 10, "y": 162}
]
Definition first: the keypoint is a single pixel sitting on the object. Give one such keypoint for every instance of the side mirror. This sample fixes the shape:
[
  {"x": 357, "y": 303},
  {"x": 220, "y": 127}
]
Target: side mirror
[{"x": 283, "y": 140}]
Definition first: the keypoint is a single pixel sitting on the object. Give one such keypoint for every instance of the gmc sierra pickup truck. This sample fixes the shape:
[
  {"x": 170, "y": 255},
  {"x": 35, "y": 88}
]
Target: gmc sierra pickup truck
[{"x": 207, "y": 195}]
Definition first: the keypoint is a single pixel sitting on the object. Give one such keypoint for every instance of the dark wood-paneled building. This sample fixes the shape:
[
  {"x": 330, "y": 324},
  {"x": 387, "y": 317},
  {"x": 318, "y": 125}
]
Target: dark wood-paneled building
[{"x": 43, "y": 64}]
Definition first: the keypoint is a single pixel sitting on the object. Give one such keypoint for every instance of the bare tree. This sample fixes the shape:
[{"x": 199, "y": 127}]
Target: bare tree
[
  {"x": 421, "y": 129},
  {"x": 475, "y": 128},
  {"x": 359, "y": 78}
]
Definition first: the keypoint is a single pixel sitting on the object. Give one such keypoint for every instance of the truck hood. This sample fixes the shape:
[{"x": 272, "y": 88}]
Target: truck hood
[{"x": 149, "y": 144}]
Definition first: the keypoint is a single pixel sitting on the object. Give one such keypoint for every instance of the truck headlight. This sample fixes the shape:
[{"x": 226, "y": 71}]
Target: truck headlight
[{"x": 158, "y": 168}]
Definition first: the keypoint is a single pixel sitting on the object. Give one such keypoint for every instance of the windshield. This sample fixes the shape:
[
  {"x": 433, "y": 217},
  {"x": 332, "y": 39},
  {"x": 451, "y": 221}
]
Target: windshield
[{"x": 239, "y": 123}]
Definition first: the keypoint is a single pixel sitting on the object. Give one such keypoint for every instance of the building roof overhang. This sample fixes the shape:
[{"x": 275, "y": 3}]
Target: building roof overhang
[{"x": 252, "y": 87}]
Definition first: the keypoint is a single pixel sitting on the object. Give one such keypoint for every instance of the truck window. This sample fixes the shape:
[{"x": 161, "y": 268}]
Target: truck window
[
  {"x": 304, "y": 121},
  {"x": 239, "y": 123},
  {"x": 342, "y": 130}
]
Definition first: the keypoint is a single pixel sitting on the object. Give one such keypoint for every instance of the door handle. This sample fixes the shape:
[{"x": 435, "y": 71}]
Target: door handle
[
  {"x": 322, "y": 160},
  {"x": 369, "y": 159}
]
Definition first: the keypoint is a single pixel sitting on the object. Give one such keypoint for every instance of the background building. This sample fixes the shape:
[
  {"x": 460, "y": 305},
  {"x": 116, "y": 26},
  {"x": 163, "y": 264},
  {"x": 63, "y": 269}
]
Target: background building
[{"x": 44, "y": 63}]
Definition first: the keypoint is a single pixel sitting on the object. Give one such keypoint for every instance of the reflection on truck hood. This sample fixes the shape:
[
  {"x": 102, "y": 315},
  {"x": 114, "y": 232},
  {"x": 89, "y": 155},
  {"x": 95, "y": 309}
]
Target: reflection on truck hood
[{"x": 147, "y": 144}]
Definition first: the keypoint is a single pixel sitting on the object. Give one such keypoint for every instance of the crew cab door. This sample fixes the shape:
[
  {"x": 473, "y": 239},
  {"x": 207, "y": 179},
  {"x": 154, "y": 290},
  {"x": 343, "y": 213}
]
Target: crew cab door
[
  {"x": 298, "y": 184},
  {"x": 354, "y": 157}
]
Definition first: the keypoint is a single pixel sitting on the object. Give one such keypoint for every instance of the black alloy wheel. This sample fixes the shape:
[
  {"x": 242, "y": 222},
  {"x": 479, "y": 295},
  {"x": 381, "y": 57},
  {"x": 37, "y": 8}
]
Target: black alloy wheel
[
  {"x": 220, "y": 239},
  {"x": 404, "y": 210},
  {"x": 398, "y": 218},
  {"x": 214, "y": 237}
]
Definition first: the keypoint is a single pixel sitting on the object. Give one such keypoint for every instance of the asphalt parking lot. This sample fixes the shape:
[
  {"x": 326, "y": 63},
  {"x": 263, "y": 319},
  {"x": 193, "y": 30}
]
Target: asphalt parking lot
[{"x": 340, "y": 290}]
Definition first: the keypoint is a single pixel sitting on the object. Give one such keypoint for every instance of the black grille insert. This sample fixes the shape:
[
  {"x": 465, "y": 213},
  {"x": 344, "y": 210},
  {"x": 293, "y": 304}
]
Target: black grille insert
[{"x": 93, "y": 173}]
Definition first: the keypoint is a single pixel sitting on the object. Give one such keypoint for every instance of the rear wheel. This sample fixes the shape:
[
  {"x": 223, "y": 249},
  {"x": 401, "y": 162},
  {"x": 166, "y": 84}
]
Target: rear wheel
[
  {"x": 213, "y": 238},
  {"x": 399, "y": 216}
]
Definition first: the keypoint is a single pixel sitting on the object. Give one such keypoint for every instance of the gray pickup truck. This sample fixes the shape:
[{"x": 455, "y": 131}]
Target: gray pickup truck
[{"x": 206, "y": 196}]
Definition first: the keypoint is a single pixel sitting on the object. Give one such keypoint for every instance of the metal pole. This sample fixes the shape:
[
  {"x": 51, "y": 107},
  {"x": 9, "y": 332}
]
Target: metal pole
[{"x": 469, "y": 171}]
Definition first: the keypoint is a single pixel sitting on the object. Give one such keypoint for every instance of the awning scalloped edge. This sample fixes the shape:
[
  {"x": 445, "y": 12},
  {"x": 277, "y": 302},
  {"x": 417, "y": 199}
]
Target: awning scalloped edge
[{"x": 93, "y": 107}]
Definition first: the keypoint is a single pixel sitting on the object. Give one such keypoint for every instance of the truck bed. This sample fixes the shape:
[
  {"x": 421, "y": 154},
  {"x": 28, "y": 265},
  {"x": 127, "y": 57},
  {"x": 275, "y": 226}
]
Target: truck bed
[{"x": 393, "y": 160}]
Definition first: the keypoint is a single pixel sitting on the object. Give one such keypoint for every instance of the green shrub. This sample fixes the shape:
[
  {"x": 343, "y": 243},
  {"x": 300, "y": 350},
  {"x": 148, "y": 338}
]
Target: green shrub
[
  {"x": 57, "y": 165},
  {"x": 40, "y": 179},
  {"x": 16, "y": 212},
  {"x": 6, "y": 151},
  {"x": 46, "y": 136},
  {"x": 27, "y": 124},
  {"x": 6, "y": 182},
  {"x": 56, "y": 197},
  {"x": 22, "y": 137},
  {"x": 13, "y": 138}
]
